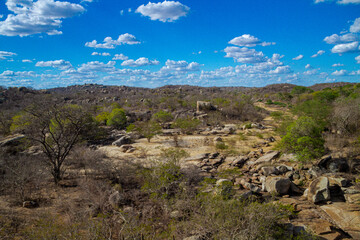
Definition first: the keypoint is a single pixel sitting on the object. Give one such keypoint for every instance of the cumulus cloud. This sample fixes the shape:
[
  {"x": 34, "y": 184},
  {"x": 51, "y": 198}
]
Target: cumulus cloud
[
  {"x": 319, "y": 53},
  {"x": 167, "y": 11},
  {"x": 355, "y": 27},
  {"x": 245, "y": 55},
  {"x": 31, "y": 17},
  {"x": 281, "y": 70},
  {"x": 26, "y": 61},
  {"x": 308, "y": 66},
  {"x": 109, "y": 43},
  {"x": 181, "y": 66},
  {"x": 339, "y": 1},
  {"x": 139, "y": 62},
  {"x": 120, "y": 57},
  {"x": 336, "y": 39},
  {"x": 357, "y": 59},
  {"x": 298, "y": 57},
  {"x": 337, "y": 65},
  {"x": 96, "y": 66},
  {"x": 5, "y": 55},
  {"x": 341, "y": 72},
  {"x": 311, "y": 72},
  {"x": 60, "y": 64},
  {"x": 100, "y": 54},
  {"x": 246, "y": 40},
  {"x": 345, "y": 48}
]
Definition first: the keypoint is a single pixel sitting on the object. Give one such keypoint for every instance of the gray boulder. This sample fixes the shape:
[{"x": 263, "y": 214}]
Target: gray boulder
[
  {"x": 318, "y": 190},
  {"x": 278, "y": 185},
  {"x": 122, "y": 140}
]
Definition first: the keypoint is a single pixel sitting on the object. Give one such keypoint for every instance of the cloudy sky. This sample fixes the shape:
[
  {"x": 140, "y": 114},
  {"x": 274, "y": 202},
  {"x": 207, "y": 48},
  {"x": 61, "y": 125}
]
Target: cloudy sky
[{"x": 48, "y": 43}]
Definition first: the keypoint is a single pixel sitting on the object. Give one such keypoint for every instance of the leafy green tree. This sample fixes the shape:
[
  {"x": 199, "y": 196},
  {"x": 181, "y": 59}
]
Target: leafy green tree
[
  {"x": 304, "y": 138},
  {"x": 162, "y": 117},
  {"x": 102, "y": 118},
  {"x": 148, "y": 129},
  {"x": 187, "y": 125},
  {"x": 117, "y": 118}
]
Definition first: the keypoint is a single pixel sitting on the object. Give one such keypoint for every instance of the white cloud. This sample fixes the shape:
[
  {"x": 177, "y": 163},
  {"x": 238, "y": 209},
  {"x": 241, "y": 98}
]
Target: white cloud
[
  {"x": 96, "y": 66},
  {"x": 1, "y": 16},
  {"x": 122, "y": 12},
  {"x": 120, "y": 57},
  {"x": 109, "y": 43},
  {"x": 54, "y": 32},
  {"x": 31, "y": 17},
  {"x": 26, "y": 61},
  {"x": 341, "y": 72},
  {"x": 357, "y": 59},
  {"x": 345, "y": 47},
  {"x": 6, "y": 55},
  {"x": 349, "y": 1},
  {"x": 245, "y": 55},
  {"x": 355, "y": 28},
  {"x": 105, "y": 54},
  {"x": 311, "y": 72},
  {"x": 281, "y": 70},
  {"x": 139, "y": 62},
  {"x": 339, "y": 1},
  {"x": 167, "y": 11},
  {"x": 308, "y": 66},
  {"x": 337, "y": 65},
  {"x": 60, "y": 64},
  {"x": 354, "y": 73},
  {"x": 319, "y": 53},
  {"x": 246, "y": 40},
  {"x": 336, "y": 39},
  {"x": 180, "y": 66},
  {"x": 298, "y": 57}
]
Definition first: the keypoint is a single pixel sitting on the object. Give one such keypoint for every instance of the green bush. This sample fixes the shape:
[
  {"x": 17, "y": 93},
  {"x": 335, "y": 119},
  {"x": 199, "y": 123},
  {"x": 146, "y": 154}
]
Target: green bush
[
  {"x": 162, "y": 117},
  {"x": 304, "y": 138},
  {"x": 187, "y": 125},
  {"x": 300, "y": 90},
  {"x": 117, "y": 118}
]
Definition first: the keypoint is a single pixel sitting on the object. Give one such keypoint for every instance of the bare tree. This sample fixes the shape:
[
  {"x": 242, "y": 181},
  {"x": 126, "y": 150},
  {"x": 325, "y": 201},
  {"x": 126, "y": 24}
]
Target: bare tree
[{"x": 56, "y": 128}]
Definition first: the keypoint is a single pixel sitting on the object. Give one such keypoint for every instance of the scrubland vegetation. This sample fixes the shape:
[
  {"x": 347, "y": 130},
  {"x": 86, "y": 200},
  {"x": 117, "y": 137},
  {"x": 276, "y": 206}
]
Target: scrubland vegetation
[{"x": 57, "y": 183}]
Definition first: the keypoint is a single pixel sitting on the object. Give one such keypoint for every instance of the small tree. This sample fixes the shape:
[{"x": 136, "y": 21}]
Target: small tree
[
  {"x": 117, "y": 118},
  {"x": 304, "y": 138},
  {"x": 56, "y": 128},
  {"x": 148, "y": 129},
  {"x": 187, "y": 125},
  {"x": 162, "y": 117}
]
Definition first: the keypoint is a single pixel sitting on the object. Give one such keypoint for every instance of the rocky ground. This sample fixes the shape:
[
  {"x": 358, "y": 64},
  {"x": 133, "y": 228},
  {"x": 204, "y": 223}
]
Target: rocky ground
[{"x": 324, "y": 194}]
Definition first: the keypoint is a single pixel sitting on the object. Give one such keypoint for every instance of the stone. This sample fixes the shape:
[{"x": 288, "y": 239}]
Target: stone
[
  {"x": 125, "y": 147},
  {"x": 284, "y": 169},
  {"x": 239, "y": 161},
  {"x": 342, "y": 182},
  {"x": 352, "y": 198},
  {"x": 122, "y": 140},
  {"x": 217, "y": 139},
  {"x": 198, "y": 157},
  {"x": 318, "y": 190},
  {"x": 278, "y": 185},
  {"x": 11, "y": 140},
  {"x": 195, "y": 237},
  {"x": 346, "y": 216},
  {"x": 267, "y": 171},
  {"x": 223, "y": 181},
  {"x": 202, "y": 106},
  {"x": 30, "y": 204},
  {"x": 116, "y": 199},
  {"x": 268, "y": 157},
  {"x": 229, "y": 128}
]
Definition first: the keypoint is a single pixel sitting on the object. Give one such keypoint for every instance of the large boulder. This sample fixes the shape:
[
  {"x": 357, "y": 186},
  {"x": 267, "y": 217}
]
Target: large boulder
[
  {"x": 333, "y": 164},
  {"x": 267, "y": 158},
  {"x": 11, "y": 140},
  {"x": 122, "y": 140},
  {"x": 278, "y": 185},
  {"x": 318, "y": 190},
  {"x": 202, "y": 106}
]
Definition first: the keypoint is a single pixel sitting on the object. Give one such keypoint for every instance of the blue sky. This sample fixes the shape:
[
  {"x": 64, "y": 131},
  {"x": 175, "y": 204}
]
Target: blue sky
[{"x": 48, "y": 43}]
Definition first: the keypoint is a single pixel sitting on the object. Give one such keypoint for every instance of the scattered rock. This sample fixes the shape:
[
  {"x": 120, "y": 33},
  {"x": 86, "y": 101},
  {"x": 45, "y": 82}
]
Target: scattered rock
[
  {"x": 318, "y": 190},
  {"x": 268, "y": 157},
  {"x": 122, "y": 140},
  {"x": 11, "y": 140},
  {"x": 30, "y": 204},
  {"x": 278, "y": 185},
  {"x": 125, "y": 147},
  {"x": 267, "y": 171}
]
